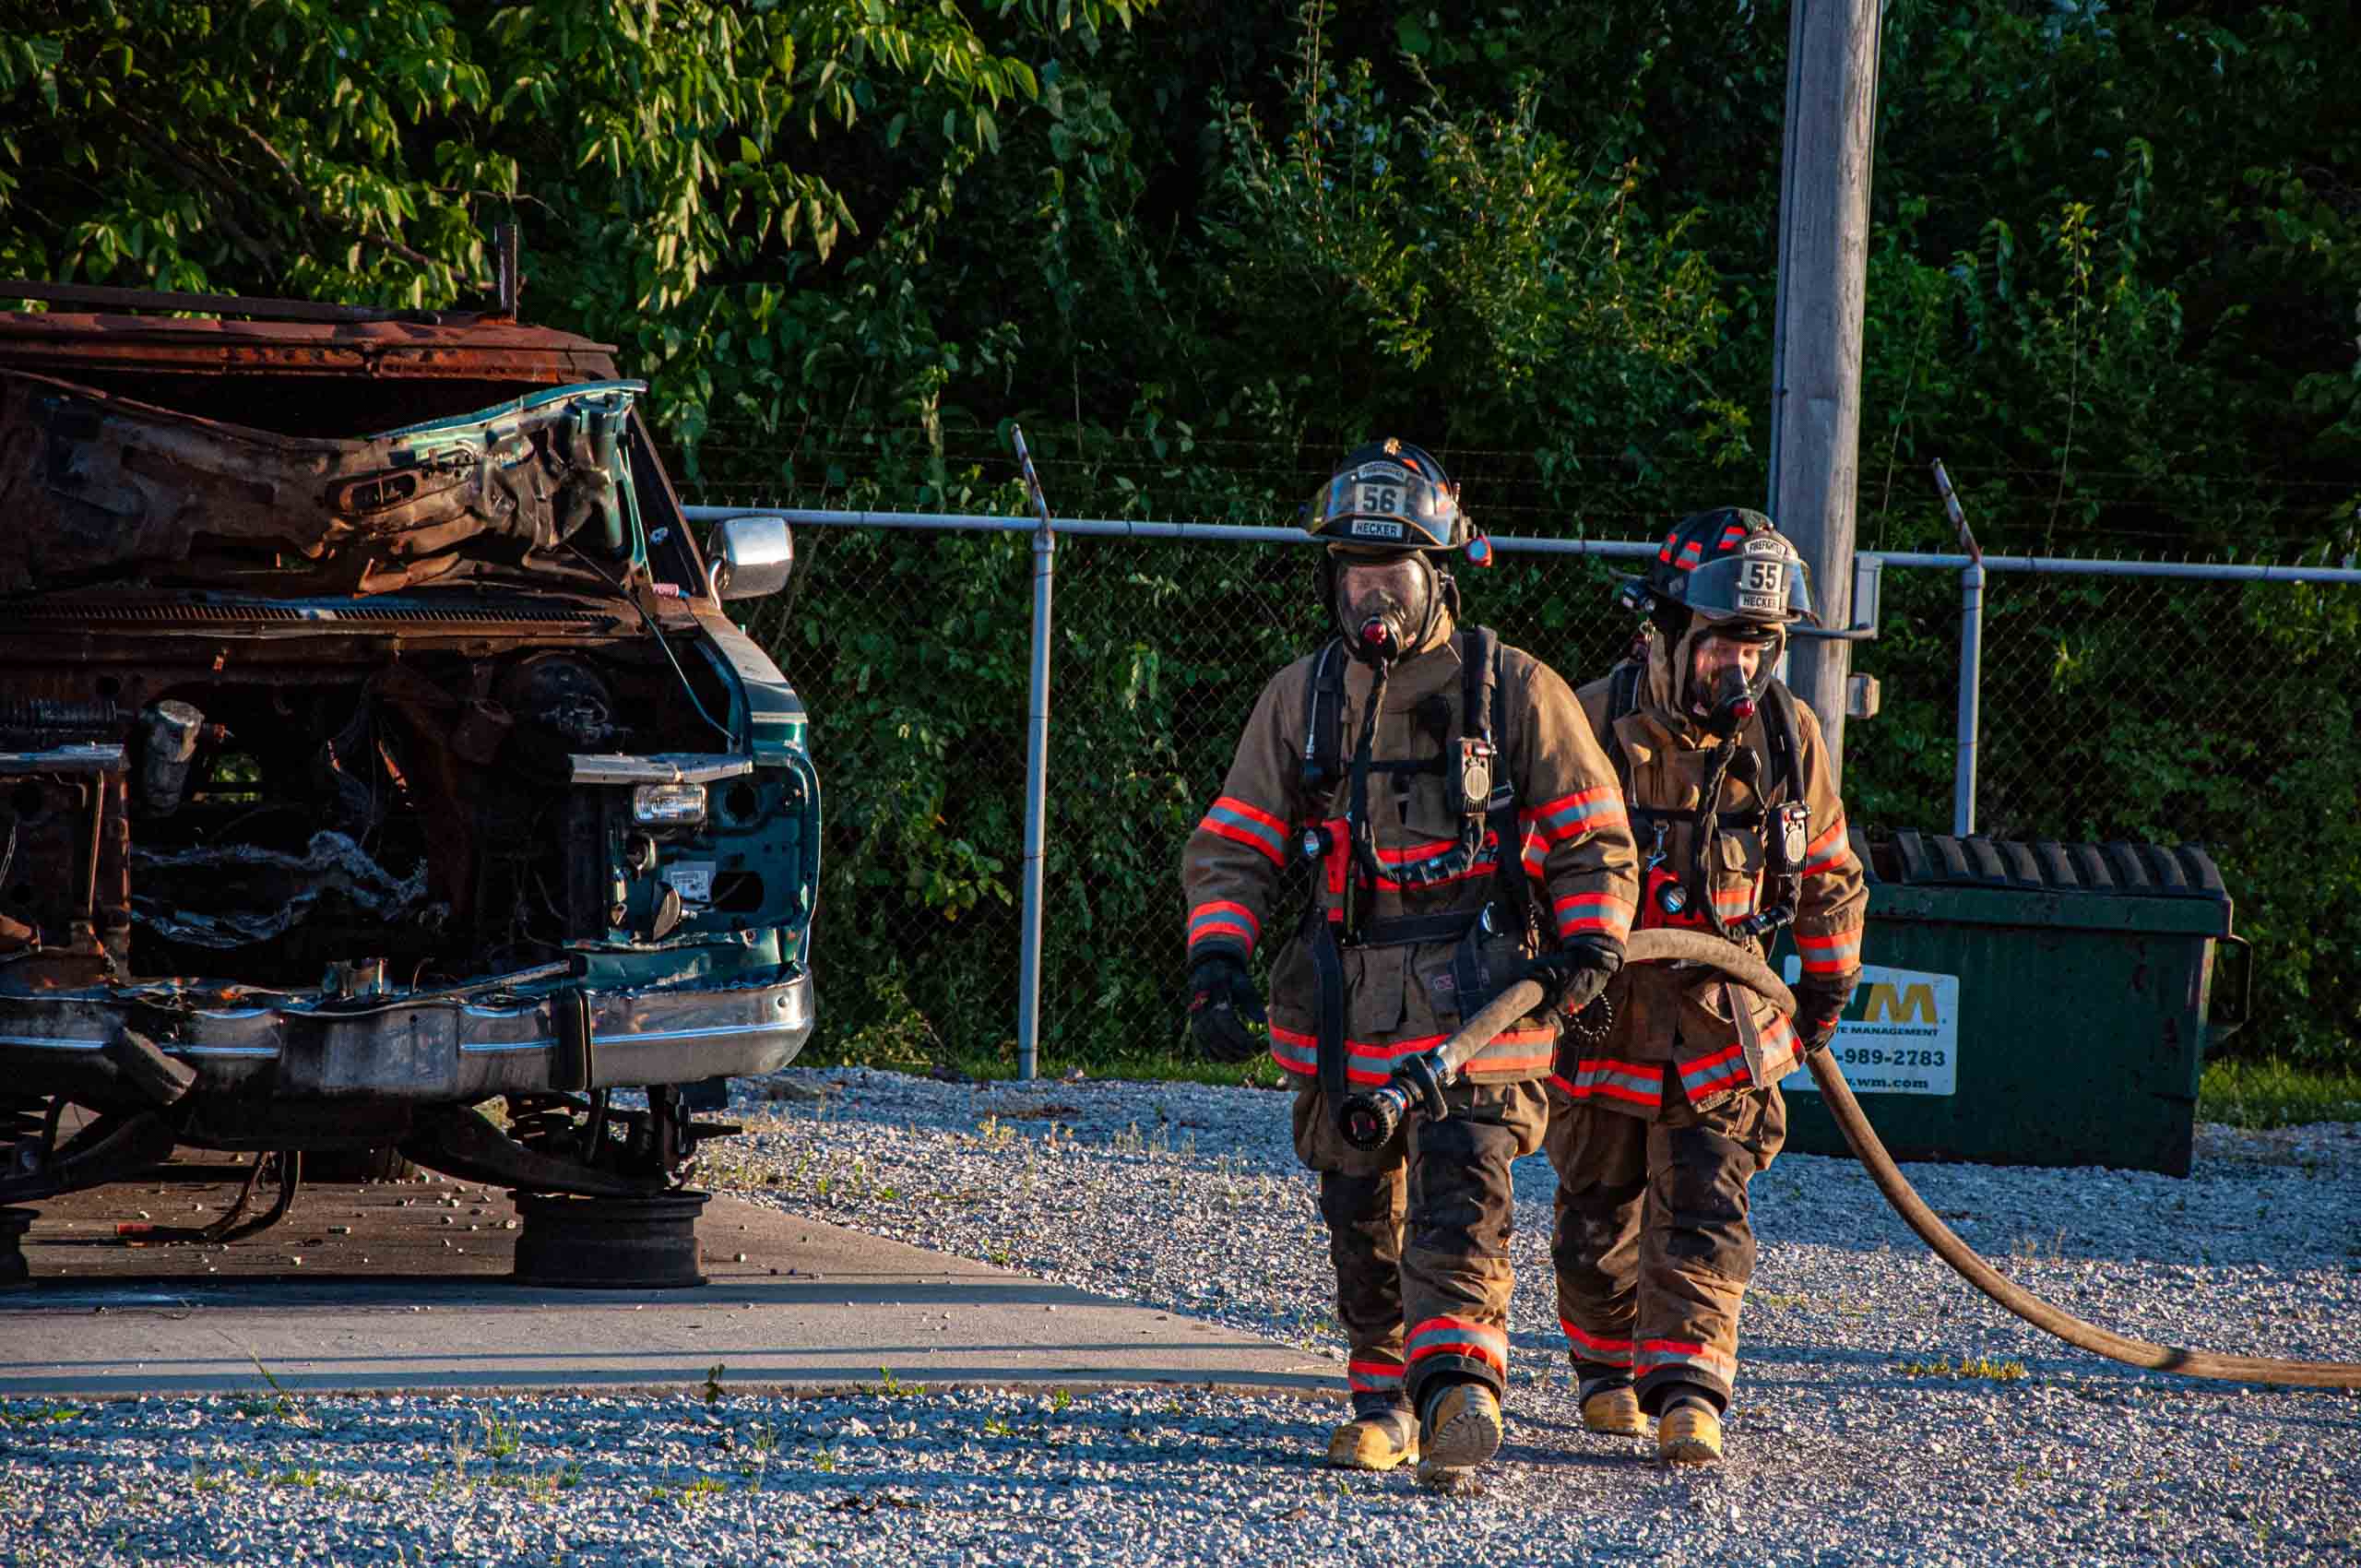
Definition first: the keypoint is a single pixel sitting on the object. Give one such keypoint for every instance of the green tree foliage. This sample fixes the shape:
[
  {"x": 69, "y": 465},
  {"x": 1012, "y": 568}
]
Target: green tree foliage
[
  {"x": 677, "y": 166},
  {"x": 1198, "y": 250}
]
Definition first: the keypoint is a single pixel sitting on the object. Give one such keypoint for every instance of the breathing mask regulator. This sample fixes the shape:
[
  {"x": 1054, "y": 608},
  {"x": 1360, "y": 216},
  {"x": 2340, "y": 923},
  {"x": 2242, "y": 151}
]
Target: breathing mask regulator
[{"x": 1724, "y": 709}]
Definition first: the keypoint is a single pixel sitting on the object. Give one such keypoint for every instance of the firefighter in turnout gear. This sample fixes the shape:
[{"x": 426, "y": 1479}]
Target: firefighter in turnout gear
[
  {"x": 1461, "y": 830},
  {"x": 1664, "y": 1102}
]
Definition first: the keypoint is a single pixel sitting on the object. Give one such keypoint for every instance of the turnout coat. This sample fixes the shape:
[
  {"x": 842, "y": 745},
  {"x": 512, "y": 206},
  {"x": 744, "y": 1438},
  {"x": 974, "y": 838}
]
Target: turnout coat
[
  {"x": 1715, "y": 1038},
  {"x": 1568, "y": 840}
]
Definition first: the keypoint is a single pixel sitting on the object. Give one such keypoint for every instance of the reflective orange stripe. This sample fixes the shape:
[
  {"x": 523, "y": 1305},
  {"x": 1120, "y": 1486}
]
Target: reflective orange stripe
[
  {"x": 1594, "y": 911},
  {"x": 1831, "y": 849},
  {"x": 1224, "y": 916},
  {"x": 1597, "y": 1347}
]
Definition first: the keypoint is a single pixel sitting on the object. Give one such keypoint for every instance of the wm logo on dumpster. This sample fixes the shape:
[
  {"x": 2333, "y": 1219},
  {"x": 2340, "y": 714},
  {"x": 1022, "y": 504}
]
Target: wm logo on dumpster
[
  {"x": 1911, "y": 1003},
  {"x": 1899, "y": 1035}
]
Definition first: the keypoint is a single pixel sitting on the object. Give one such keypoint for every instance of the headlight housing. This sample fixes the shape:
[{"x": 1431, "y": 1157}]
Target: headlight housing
[{"x": 669, "y": 806}]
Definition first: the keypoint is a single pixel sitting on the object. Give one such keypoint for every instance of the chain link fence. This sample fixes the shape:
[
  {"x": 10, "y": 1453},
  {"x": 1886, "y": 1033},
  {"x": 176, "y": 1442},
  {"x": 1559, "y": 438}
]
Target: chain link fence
[{"x": 2113, "y": 708}]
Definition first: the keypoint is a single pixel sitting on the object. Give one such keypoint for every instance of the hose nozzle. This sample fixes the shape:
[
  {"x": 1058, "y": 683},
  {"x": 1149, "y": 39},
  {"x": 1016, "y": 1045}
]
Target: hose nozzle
[{"x": 1367, "y": 1119}]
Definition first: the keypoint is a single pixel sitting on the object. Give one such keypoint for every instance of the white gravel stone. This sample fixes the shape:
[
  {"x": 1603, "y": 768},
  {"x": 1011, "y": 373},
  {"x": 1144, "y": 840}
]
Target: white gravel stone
[{"x": 1847, "y": 1446}]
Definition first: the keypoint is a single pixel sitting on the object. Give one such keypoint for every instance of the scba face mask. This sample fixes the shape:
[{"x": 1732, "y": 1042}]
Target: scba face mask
[
  {"x": 1728, "y": 703},
  {"x": 1725, "y": 697},
  {"x": 1386, "y": 606}
]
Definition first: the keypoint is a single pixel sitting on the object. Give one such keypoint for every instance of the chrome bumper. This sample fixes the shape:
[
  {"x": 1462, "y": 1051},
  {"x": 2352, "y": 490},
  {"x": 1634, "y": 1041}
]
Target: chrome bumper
[{"x": 428, "y": 1052}]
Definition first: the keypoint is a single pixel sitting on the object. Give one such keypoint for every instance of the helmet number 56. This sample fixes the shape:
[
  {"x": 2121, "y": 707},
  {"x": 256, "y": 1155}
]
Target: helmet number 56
[{"x": 1382, "y": 499}]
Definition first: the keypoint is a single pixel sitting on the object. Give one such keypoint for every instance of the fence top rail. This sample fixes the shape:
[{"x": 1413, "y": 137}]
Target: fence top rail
[{"x": 1516, "y": 544}]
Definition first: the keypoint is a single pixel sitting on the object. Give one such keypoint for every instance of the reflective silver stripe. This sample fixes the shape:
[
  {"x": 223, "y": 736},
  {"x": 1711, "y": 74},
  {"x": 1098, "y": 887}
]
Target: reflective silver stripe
[
  {"x": 1708, "y": 1359},
  {"x": 1719, "y": 1066},
  {"x": 1460, "y": 1334},
  {"x": 1591, "y": 1077}
]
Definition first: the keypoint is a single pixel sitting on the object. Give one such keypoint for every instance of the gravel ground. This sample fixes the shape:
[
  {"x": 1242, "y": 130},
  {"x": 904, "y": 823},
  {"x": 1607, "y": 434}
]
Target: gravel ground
[{"x": 1886, "y": 1412}]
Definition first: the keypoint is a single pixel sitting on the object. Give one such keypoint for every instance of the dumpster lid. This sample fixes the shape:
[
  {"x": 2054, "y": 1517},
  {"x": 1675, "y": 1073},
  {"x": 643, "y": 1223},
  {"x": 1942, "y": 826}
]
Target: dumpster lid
[
  {"x": 2138, "y": 886},
  {"x": 2139, "y": 869}
]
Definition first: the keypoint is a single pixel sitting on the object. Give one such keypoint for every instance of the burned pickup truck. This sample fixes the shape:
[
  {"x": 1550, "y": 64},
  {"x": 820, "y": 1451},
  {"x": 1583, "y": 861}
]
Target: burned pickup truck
[{"x": 378, "y": 769}]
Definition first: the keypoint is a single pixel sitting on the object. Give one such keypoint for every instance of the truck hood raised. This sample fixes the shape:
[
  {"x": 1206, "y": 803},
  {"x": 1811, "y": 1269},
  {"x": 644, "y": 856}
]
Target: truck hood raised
[{"x": 99, "y": 487}]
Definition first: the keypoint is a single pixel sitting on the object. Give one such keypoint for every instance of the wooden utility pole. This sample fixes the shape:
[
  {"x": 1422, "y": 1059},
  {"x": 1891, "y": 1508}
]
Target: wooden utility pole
[{"x": 1816, "y": 352}]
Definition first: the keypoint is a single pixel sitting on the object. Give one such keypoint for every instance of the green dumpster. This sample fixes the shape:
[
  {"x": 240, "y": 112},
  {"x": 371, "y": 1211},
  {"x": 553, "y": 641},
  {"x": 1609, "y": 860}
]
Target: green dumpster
[{"x": 2039, "y": 1003}]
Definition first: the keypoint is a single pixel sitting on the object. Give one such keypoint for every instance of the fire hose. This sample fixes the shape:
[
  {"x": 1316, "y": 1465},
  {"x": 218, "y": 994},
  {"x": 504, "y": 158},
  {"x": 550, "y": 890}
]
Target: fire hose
[{"x": 1420, "y": 1080}]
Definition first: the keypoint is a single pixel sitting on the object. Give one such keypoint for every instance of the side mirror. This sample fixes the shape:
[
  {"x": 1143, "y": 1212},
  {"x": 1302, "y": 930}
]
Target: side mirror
[{"x": 751, "y": 557}]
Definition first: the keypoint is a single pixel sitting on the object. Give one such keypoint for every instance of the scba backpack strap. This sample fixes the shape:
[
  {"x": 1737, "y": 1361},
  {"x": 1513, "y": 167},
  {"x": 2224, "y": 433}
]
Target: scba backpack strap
[
  {"x": 1782, "y": 739},
  {"x": 1776, "y": 815},
  {"x": 1323, "y": 732}
]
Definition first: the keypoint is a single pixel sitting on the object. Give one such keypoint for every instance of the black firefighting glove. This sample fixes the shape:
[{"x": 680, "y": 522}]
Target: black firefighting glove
[
  {"x": 1818, "y": 1003},
  {"x": 1578, "y": 971},
  {"x": 1221, "y": 1000}
]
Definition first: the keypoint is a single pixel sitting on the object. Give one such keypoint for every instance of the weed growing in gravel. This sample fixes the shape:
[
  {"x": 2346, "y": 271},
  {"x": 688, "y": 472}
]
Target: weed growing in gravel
[
  {"x": 40, "y": 1412},
  {"x": 713, "y": 1383},
  {"x": 689, "y": 1493},
  {"x": 539, "y": 1483},
  {"x": 824, "y": 1461},
  {"x": 462, "y": 1450},
  {"x": 995, "y": 1427},
  {"x": 281, "y": 1402},
  {"x": 1980, "y": 1366},
  {"x": 499, "y": 1437},
  {"x": 1060, "y": 1399},
  {"x": 204, "y": 1477},
  {"x": 893, "y": 1387},
  {"x": 293, "y": 1477}
]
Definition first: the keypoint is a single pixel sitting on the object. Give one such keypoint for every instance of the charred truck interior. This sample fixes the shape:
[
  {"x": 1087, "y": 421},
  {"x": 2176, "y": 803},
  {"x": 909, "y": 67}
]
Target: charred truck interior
[{"x": 373, "y": 748}]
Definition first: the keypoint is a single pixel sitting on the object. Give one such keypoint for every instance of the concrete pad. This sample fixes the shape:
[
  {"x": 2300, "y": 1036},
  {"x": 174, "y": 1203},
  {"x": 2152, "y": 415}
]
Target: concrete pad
[{"x": 385, "y": 1298}]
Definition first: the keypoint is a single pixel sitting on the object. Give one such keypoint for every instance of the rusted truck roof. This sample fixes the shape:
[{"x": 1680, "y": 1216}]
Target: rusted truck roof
[{"x": 284, "y": 338}]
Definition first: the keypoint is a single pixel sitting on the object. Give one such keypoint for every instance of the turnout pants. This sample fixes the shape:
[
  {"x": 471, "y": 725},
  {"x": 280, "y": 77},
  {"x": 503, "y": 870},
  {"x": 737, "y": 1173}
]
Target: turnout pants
[
  {"x": 1652, "y": 1245},
  {"x": 1418, "y": 1232}
]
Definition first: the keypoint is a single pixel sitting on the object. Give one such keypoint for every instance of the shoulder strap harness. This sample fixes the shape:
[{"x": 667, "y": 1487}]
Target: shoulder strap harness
[
  {"x": 1782, "y": 818},
  {"x": 1484, "y": 800}
]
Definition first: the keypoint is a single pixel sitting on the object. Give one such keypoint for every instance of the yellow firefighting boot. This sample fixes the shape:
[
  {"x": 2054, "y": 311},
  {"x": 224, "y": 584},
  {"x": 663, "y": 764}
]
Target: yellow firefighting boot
[
  {"x": 1377, "y": 1438},
  {"x": 1689, "y": 1432},
  {"x": 1462, "y": 1429},
  {"x": 1614, "y": 1409}
]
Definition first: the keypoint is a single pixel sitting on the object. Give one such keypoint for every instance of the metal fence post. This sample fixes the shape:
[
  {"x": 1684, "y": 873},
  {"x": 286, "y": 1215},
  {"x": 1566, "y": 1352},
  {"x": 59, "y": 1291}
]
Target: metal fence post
[
  {"x": 1971, "y": 682},
  {"x": 1036, "y": 779}
]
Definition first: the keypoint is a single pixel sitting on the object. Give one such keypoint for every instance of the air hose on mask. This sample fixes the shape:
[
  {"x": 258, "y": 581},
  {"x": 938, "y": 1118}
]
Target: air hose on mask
[{"x": 1421, "y": 1080}]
